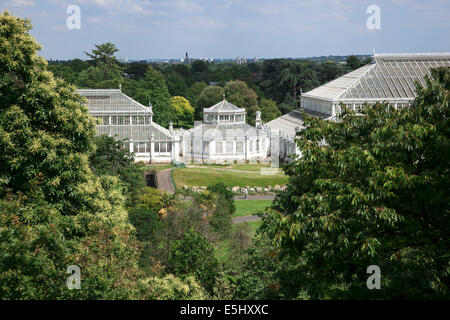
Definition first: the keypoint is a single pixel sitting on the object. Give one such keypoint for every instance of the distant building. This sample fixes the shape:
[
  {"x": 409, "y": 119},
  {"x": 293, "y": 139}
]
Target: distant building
[
  {"x": 125, "y": 119},
  {"x": 224, "y": 136},
  {"x": 389, "y": 78},
  {"x": 241, "y": 60},
  {"x": 187, "y": 60}
]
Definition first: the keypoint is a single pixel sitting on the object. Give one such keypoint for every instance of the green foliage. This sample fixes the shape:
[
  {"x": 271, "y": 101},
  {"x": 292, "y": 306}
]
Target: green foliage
[
  {"x": 38, "y": 243},
  {"x": 207, "y": 98},
  {"x": 45, "y": 131},
  {"x": 55, "y": 211},
  {"x": 176, "y": 84},
  {"x": 257, "y": 277},
  {"x": 110, "y": 158},
  {"x": 103, "y": 53},
  {"x": 193, "y": 254},
  {"x": 156, "y": 91},
  {"x": 170, "y": 287},
  {"x": 199, "y": 66},
  {"x": 375, "y": 194},
  {"x": 238, "y": 93},
  {"x": 102, "y": 76},
  {"x": 151, "y": 198},
  {"x": 146, "y": 223},
  {"x": 184, "y": 110},
  {"x": 353, "y": 62},
  {"x": 225, "y": 194},
  {"x": 269, "y": 110}
]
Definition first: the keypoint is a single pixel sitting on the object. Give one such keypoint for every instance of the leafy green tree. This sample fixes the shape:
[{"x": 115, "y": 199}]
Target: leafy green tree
[
  {"x": 193, "y": 93},
  {"x": 105, "y": 71},
  {"x": 45, "y": 129},
  {"x": 54, "y": 209},
  {"x": 136, "y": 70},
  {"x": 102, "y": 76},
  {"x": 199, "y": 66},
  {"x": 269, "y": 110},
  {"x": 375, "y": 194},
  {"x": 155, "y": 90},
  {"x": 353, "y": 62},
  {"x": 194, "y": 255},
  {"x": 328, "y": 71},
  {"x": 176, "y": 84},
  {"x": 170, "y": 287},
  {"x": 103, "y": 53},
  {"x": 152, "y": 198},
  {"x": 207, "y": 98},
  {"x": 297, "y": 75},
  {"x": 221, "y": 189},
  {"x": 111, "y": 158},
  {"x": 257, "y": 278},
  {"x": 238, "y": 93},
  {"x": 183, "y": 108},
  {"x": 63, "y": 72}
]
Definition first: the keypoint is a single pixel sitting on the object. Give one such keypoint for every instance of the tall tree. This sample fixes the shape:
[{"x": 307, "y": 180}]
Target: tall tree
[
  {"x": 238, "y": 93},
  {"x": 207, "y": 98},
  {"x": 54, "y": 209},
  {"x": 375, "y": 194},
  {"x": 269, "y": 110},
  {"x": 155, "y": 91},
  {"x": 353, "y": 62},
  {"x": 103, "y": 53},
  {"x": 183, "y": 108}
]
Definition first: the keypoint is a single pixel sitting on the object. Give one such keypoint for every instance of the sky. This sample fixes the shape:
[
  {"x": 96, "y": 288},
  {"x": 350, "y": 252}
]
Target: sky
[{"x": 147, "y": 29}]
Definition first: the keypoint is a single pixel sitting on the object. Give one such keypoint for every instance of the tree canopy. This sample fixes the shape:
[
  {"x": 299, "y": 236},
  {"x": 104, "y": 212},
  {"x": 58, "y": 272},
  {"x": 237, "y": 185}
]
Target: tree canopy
[{"x": 371, "y": 189}]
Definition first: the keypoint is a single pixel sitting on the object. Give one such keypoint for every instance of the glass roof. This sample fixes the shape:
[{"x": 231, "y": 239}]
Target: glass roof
[
  {"x": 223, "y": 107},
  {"x": 389, "y": 77},
  {"x": 112, "y": 101}
]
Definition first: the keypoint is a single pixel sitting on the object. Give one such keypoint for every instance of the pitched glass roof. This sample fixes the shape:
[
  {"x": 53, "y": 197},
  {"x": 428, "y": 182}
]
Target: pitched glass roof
[
  {"x": 112, "y": 101},
  {"x": 224, "y": 107},
  {"x": 389, "y": 77}
]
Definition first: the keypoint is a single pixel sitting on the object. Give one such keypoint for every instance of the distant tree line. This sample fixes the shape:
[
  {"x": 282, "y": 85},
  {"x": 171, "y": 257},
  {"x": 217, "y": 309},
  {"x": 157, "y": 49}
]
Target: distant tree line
[{"x": 272, "y": 86}]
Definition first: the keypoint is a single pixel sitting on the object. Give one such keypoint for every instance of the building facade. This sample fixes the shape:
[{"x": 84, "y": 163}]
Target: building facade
[
  {"x": 389, "y": 78},
  {"x": 125, "y": 119},
  {"x": 223, "y": 137}
]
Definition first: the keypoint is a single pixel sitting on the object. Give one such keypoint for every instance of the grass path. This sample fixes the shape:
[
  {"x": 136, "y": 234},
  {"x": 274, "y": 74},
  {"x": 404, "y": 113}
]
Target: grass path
[{"x": 250, "y": 207}]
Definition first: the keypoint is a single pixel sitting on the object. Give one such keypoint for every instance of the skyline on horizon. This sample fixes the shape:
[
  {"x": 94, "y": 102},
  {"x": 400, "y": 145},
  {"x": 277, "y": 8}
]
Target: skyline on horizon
[{"x": 166, "y": 29}]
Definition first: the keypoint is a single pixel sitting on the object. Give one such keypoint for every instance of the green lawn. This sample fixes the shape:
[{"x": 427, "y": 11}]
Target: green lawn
[
  {"x": 206, "y": 177},
  {"x": 250, "y": 207},
  {"x": 241, "y": 166}
]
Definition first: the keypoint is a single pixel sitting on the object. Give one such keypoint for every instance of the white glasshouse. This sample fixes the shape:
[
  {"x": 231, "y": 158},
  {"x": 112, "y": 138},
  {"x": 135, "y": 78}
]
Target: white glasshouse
[
  {"x": 389, "y": 78},
  {"x": 125, "y": 119},
  {"x": 224, "y": 136}
]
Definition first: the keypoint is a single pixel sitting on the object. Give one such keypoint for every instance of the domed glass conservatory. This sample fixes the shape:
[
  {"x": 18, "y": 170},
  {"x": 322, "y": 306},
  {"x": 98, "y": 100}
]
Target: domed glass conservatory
[{"x": 224, "y": 137}]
